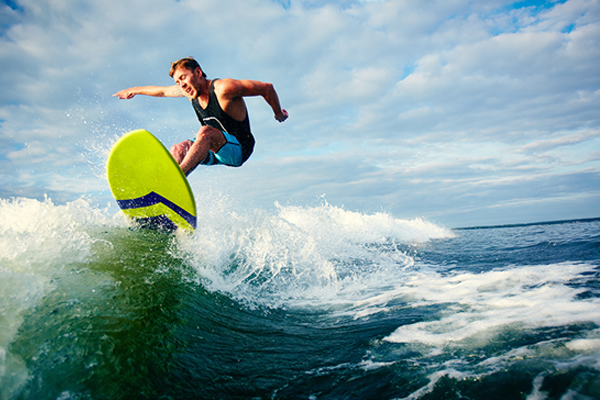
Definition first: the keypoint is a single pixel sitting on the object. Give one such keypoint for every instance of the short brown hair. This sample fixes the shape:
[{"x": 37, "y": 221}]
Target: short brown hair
[{"x": 187, "y": 63}]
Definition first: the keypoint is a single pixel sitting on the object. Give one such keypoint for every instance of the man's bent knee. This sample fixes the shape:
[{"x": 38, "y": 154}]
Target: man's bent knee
[{"x": 179, "y": 150}]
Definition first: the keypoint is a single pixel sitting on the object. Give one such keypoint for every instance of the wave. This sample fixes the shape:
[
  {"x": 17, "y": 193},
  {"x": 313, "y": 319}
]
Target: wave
[
  {"x": 437, "y": 298},
  {"x": 302, "y": 255},
  {"x": 295, "y": 257}
]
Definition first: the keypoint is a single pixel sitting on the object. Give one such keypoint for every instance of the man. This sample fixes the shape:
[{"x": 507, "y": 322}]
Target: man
[{"x": 225, "y": 136}]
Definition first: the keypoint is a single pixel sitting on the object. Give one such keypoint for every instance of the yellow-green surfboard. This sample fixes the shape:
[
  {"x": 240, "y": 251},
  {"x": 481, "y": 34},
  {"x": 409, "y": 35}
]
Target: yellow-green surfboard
[{"x": 148, "y": 184}]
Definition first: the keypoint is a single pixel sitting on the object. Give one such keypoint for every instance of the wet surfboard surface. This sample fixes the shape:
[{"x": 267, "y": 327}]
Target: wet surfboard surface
[{"x": 148, "y": 184}]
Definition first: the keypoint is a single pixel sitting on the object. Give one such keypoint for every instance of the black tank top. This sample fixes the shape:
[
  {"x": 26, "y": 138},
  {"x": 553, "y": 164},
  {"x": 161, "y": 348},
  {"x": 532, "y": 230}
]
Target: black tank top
[{"x": 214, "y": 116}]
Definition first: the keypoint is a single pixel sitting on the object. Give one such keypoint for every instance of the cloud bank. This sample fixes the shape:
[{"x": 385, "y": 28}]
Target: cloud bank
[{"x": 464, "y": 113}]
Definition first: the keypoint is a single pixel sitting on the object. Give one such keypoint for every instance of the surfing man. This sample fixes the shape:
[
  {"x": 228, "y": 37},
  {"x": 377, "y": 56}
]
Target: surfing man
[{"x": 225, "y": 136}]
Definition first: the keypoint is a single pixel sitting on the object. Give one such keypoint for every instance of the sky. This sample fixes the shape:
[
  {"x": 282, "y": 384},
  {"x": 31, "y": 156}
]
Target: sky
[{"x": 459, "y": 112}]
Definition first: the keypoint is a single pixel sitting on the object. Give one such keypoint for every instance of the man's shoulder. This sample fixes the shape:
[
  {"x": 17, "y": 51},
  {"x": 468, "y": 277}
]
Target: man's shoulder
[
  {"x": 223, "y": 83},
  {"x": 226, "y": 87}
]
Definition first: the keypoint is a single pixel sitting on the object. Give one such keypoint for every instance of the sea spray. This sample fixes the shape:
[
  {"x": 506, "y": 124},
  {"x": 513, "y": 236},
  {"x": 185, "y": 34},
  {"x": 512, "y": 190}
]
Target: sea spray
[
  {"x": 39, "y": 244},
  {"x": 302, "y": 255}
]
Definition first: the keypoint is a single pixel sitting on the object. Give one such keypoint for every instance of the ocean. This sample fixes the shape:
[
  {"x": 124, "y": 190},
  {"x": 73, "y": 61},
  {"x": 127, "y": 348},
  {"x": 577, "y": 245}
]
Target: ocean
[{"x": 313, "y": 302}]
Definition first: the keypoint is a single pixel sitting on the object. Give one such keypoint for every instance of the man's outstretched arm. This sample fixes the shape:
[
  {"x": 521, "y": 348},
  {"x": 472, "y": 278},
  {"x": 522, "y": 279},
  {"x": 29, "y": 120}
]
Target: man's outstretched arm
[{"x": 155, "y": 91}]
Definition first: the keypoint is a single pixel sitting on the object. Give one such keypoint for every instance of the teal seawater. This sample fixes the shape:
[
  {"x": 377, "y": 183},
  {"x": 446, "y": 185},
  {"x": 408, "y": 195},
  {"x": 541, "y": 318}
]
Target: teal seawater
[{"x": 298, "y": 303}]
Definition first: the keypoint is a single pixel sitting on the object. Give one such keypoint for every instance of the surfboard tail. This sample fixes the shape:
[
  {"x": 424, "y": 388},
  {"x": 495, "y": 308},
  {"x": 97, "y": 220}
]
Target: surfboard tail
[{"x": 154, "y": 209}]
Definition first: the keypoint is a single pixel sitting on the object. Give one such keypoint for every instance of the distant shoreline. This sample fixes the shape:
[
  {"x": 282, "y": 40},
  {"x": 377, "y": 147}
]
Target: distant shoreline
[{"x": 567, "y": 221}]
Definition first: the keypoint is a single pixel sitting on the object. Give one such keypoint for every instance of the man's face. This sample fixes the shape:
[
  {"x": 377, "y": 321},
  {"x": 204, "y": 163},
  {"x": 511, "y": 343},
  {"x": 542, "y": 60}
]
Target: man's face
[{"x": 188, "y": 81}]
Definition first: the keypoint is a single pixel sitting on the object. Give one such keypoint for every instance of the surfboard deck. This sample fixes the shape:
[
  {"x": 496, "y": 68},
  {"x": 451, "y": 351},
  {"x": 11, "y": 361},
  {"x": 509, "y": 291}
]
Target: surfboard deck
[{"x": 148, "y": 184}]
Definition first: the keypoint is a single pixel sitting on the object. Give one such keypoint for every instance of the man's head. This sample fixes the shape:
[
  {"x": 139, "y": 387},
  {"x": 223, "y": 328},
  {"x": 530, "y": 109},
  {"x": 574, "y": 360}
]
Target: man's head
[
  {"x": 188, "y": 75},
  {"x": 188, "y": 63}
]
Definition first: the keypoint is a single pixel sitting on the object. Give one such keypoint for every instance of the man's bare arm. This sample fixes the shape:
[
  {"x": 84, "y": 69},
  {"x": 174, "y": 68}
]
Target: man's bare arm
[
  {"x": 232, "y": 89},
  {"x": 155, "y": 91}
]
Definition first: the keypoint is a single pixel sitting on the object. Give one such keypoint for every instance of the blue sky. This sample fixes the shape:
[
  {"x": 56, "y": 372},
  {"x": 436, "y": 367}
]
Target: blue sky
[{"x": 463, "y": 113}]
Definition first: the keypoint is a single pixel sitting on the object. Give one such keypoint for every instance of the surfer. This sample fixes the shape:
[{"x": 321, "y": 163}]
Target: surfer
[{"x": 225, "y": 136}]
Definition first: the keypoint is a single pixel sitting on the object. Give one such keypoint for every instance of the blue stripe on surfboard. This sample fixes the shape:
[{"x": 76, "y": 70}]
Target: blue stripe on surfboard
[{"x": 154, "y": 198}]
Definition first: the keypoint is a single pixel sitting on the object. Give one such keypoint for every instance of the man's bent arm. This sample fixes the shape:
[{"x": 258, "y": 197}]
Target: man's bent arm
[
  {"x": 270, "y": 95},
  {"x": 232, "y": 89},
  {"x": 154, "y": 91}
]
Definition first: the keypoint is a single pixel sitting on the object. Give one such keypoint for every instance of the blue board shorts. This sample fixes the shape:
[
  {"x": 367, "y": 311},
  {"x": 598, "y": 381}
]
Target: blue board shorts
[{"x": 230, "y": 154}]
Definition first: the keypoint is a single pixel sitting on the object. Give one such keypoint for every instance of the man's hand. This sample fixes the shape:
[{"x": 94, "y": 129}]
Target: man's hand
[
  {"x": 124, "y": 94},
  {"x": 283, "y": 116}
]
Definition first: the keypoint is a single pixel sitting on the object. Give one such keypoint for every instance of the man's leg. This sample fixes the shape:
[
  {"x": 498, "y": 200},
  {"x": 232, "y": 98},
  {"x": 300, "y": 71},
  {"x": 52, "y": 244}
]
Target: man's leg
[
  {"x": 189, "y": 154},
  {"x": 179, "y": 150}
]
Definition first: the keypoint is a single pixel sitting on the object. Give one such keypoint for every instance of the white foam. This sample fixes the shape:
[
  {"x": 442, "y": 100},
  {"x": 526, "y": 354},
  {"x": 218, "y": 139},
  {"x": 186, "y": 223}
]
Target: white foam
[
  {"x": 433, "y": 379},
  {"x": 302, "y": 255},
  {"x": 327, "y": 222},
  {"x": 40, "y": 230},
  {"x": 584, "y": 345},
  {"x": 38, "y": 242},
  {"x": 480, "y": 304}
]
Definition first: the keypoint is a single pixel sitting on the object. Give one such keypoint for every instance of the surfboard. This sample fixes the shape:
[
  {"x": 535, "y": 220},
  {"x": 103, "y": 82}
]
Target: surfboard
[{"x": 148, "y": 184}]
